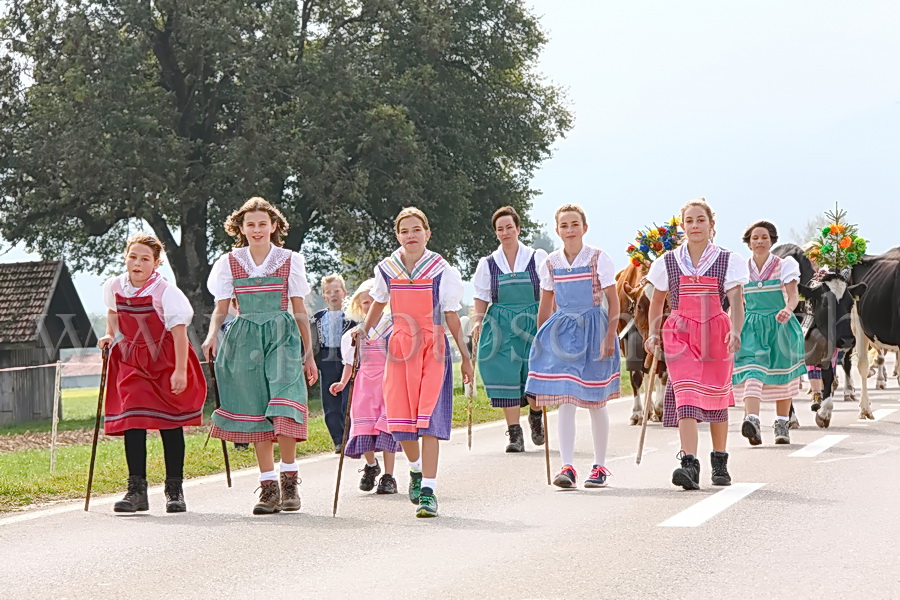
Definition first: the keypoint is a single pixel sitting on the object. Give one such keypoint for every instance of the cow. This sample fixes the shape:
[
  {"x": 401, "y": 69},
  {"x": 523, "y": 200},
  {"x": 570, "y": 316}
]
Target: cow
[
  {"x": 829, "y": 302},
  {"x": 876, "y": 318},
  {"x": 633, "y": 328}
]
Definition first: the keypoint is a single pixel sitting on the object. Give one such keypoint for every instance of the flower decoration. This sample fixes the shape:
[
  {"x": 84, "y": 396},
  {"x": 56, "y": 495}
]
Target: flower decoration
[
  {"x": 655, "y": 241},
  {"x": 839, "y": 246}
]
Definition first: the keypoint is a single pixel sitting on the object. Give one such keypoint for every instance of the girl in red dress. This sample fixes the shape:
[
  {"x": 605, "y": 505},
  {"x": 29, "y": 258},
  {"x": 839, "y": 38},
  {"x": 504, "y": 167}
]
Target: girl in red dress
[
  {"x": 154, "y": 377},
  {"x": 699, "y": 338}
]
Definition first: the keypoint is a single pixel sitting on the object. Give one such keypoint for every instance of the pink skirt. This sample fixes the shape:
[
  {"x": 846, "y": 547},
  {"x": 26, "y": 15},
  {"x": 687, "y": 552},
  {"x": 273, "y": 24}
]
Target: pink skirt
[{"x": 699, "y": 364}]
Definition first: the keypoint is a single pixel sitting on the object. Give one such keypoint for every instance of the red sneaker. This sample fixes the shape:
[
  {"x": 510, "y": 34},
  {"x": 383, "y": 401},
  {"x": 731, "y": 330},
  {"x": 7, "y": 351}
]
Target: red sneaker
[{"x": 566, "y": 478}]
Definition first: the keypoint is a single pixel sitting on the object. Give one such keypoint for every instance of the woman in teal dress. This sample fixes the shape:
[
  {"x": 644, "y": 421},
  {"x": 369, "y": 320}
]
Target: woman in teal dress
[{"x": 770, "y": 362}]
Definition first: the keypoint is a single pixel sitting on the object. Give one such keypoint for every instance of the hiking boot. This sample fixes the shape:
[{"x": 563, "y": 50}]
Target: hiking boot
[
  {"x": 597, "y": 478},
  {"x": 269, "y": 499},
  {"x": 516, "y": 439},
  {"x": 535, "y": 421},
  {"x": 175, "y": 496},
  {"x": 719, "y": 461},
  {"x": 428, "y": 506},
  {"x": 688, "y": 476},
  {"x": 750, "y": 429},
  {"x": 415, "y": 486},
  {"x": 387, "y": 484},
  {"x": 566, "y": 478},
  {"x": 135, "y": 498},
  {"x": 367, "y": 483},
  {"x": 782, "y": 431},
  {"x": 290, "y": 497}
]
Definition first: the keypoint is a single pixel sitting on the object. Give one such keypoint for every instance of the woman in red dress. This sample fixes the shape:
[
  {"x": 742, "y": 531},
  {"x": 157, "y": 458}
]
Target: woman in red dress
[{"x": 154, "y": 377}]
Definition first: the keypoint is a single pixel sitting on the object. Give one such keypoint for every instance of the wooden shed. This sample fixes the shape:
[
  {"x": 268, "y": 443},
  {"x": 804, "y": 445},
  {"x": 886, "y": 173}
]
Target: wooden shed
[{"x": 40, "y": 314}]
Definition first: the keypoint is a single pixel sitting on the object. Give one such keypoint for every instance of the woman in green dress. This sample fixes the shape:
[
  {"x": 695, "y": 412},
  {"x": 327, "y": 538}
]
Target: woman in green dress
[
  {"x": 507, "y": 294},
  {"x": 261, "y": 364},
  {"x": 770, "y": 362}
]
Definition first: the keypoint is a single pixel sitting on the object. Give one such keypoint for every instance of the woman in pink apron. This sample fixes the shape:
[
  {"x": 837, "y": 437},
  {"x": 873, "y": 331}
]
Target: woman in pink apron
[
  {"x": 418, "y": 384},
  {"x": 699, "y": 338}
]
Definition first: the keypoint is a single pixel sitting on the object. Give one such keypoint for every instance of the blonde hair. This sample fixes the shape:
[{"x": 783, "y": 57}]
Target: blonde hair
[
  {"x": 571, "y": 208},
  {"x": 151, "y": 241},
  {"x": 334, "y": 277},
  {"x": 410, "y": 211},
  {"x": 256, "y": 204},
  {"x": 353, "y": 304}
]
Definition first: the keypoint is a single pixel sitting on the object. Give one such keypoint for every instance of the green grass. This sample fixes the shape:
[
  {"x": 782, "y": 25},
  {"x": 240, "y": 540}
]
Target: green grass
[{"x": 25, "y": 476}]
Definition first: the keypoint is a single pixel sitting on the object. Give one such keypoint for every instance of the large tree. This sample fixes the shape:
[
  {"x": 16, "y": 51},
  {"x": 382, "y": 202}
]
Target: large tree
[{"x": 339, "y": 111}]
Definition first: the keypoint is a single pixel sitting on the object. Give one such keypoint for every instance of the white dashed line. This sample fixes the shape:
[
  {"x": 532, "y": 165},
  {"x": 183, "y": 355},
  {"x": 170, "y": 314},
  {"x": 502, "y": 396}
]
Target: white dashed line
[
  {"x": 818, "y": 447},
  {"x": 709, "y": 507},
  {"x": 883, "y": 412}
]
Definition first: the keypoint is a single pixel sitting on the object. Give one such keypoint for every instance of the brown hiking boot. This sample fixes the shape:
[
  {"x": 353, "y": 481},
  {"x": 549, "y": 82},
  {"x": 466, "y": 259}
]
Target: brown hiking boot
[
  {"x": 290, "y": 499},
  {"x": 269, "y": 499}
]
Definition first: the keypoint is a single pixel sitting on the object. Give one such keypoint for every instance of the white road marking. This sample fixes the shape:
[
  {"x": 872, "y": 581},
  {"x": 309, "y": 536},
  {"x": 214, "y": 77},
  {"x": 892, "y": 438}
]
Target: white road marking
[
  {"x": 818, "y": 447},
  {"x": 710, "y": 506},
  {"x": 883, "y": 450},
  {"x": 883, "y": 412}
]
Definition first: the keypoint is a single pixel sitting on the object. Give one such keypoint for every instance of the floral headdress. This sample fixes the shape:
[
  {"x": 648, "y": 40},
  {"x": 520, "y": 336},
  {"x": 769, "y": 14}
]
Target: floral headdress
[
  {"x": 838, "y": 246},
  {"x": 654, "y": 242}
]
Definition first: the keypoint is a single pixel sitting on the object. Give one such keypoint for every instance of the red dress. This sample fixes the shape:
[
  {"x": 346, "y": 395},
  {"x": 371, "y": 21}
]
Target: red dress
[{"x": 138, "y": 391}]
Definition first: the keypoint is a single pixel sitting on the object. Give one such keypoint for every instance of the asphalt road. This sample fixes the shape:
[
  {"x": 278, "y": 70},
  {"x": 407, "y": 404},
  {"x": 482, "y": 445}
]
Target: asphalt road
[{"x": 821, "y": 524}]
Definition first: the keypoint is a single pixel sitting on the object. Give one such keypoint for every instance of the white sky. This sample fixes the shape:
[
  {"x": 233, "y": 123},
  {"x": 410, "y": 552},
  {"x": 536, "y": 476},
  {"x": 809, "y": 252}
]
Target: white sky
[{"x": 770, "y": 109}]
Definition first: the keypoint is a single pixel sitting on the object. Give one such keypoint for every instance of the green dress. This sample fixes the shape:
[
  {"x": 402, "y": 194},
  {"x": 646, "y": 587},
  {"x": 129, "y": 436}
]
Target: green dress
[
  {"x": 259, "y": 366},
  {"x": 771, "y": 352},
  {"x": 507, "y": 333}
]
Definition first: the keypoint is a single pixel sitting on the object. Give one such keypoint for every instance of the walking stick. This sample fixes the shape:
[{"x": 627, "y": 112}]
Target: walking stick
[
  {"x": 90, "y": 481},
  {"x": 473, "y": 385},
  {"x": 546, "y": 445},
  {"x": 215, "y": 385},
  {"x": 337, "y": 485},
  {"x": 647, "y": 406}
]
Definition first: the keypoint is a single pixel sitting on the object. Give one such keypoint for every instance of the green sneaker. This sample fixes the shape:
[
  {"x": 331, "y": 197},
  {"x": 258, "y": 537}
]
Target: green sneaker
[
  {"x": 427, "y": 504},
  {"x": 415, "y": 486}
]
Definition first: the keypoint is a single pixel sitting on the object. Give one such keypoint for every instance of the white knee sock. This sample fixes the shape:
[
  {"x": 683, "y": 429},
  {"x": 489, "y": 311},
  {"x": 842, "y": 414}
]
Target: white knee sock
[
  {"x": 566, "y": 433},
  {"x": 268, "y": 476},
  {"x": 288, "y": 467},
  {"x": 600, "y": 429}
]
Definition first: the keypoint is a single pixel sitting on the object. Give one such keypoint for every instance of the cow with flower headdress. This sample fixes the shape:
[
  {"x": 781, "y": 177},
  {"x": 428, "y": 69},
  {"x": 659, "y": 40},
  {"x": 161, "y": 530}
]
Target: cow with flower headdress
[{"x": 634, "y": 298}]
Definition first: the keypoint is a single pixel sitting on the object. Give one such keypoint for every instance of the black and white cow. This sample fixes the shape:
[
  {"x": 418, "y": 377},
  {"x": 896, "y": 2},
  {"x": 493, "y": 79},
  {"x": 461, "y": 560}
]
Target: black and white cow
[
  {"x": 832, "y": 302},
  {"x": 876, "y": 319}
]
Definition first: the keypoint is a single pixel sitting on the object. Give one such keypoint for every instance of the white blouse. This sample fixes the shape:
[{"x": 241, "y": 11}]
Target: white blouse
[
  {"x": 735, "y": 274},
  {"x": 176, "y": 309},
  {"x": 347, "y": 349},
  {"x": 451, "y": 293},
  {"x": 606, "y": 268},
  {"x": 482, "y": 279},
  {"x": 790, "y": 269},
  {"x": 221, "y": 282}
]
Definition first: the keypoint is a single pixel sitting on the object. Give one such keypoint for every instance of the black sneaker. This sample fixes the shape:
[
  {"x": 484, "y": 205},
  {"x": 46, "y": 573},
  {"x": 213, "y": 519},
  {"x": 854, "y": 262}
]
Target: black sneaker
[
  {"x": 566, "y": 478},
  {"x": 750, "y": 429},
  {"x": 536, "y": 422},
  {"x": 428, "y": 506},
  {"x": 387, "y": 484},
  {"x": 516, "y": 439},
  {"x": 367, "y": 483},
  {"x": 719, "y": 461},
  {"x": 135, "y": 498},
  {"x": 175, "y": 496},
  {"x": 688, "y": 476},
  {"x": 415, "y": 486}
]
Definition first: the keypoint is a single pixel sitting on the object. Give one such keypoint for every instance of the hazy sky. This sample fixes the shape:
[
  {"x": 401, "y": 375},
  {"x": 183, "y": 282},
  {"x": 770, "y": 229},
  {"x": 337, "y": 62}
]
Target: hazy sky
[{"x": 769, "y": 109}]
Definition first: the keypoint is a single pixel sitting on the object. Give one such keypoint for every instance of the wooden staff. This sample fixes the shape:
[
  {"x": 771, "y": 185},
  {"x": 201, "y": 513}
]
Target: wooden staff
[
  {"x": 473, "y": 384},
  {"x": 546, "y": 444},
  {"x": 90, "y": 481},
  {"x": 648, "y": 403},
  {"x": 337, "y": 486},
  {"x": 215, "y": 386}
]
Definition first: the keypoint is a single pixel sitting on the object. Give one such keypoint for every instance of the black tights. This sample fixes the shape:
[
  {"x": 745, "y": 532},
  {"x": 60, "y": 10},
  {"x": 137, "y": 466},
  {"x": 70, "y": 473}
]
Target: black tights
[{"x": 173, "y": 450}]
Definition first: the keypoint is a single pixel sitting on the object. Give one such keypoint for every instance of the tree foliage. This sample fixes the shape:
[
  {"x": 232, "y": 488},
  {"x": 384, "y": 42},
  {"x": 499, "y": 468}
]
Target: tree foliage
[{"x": 339, "y": 111}]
